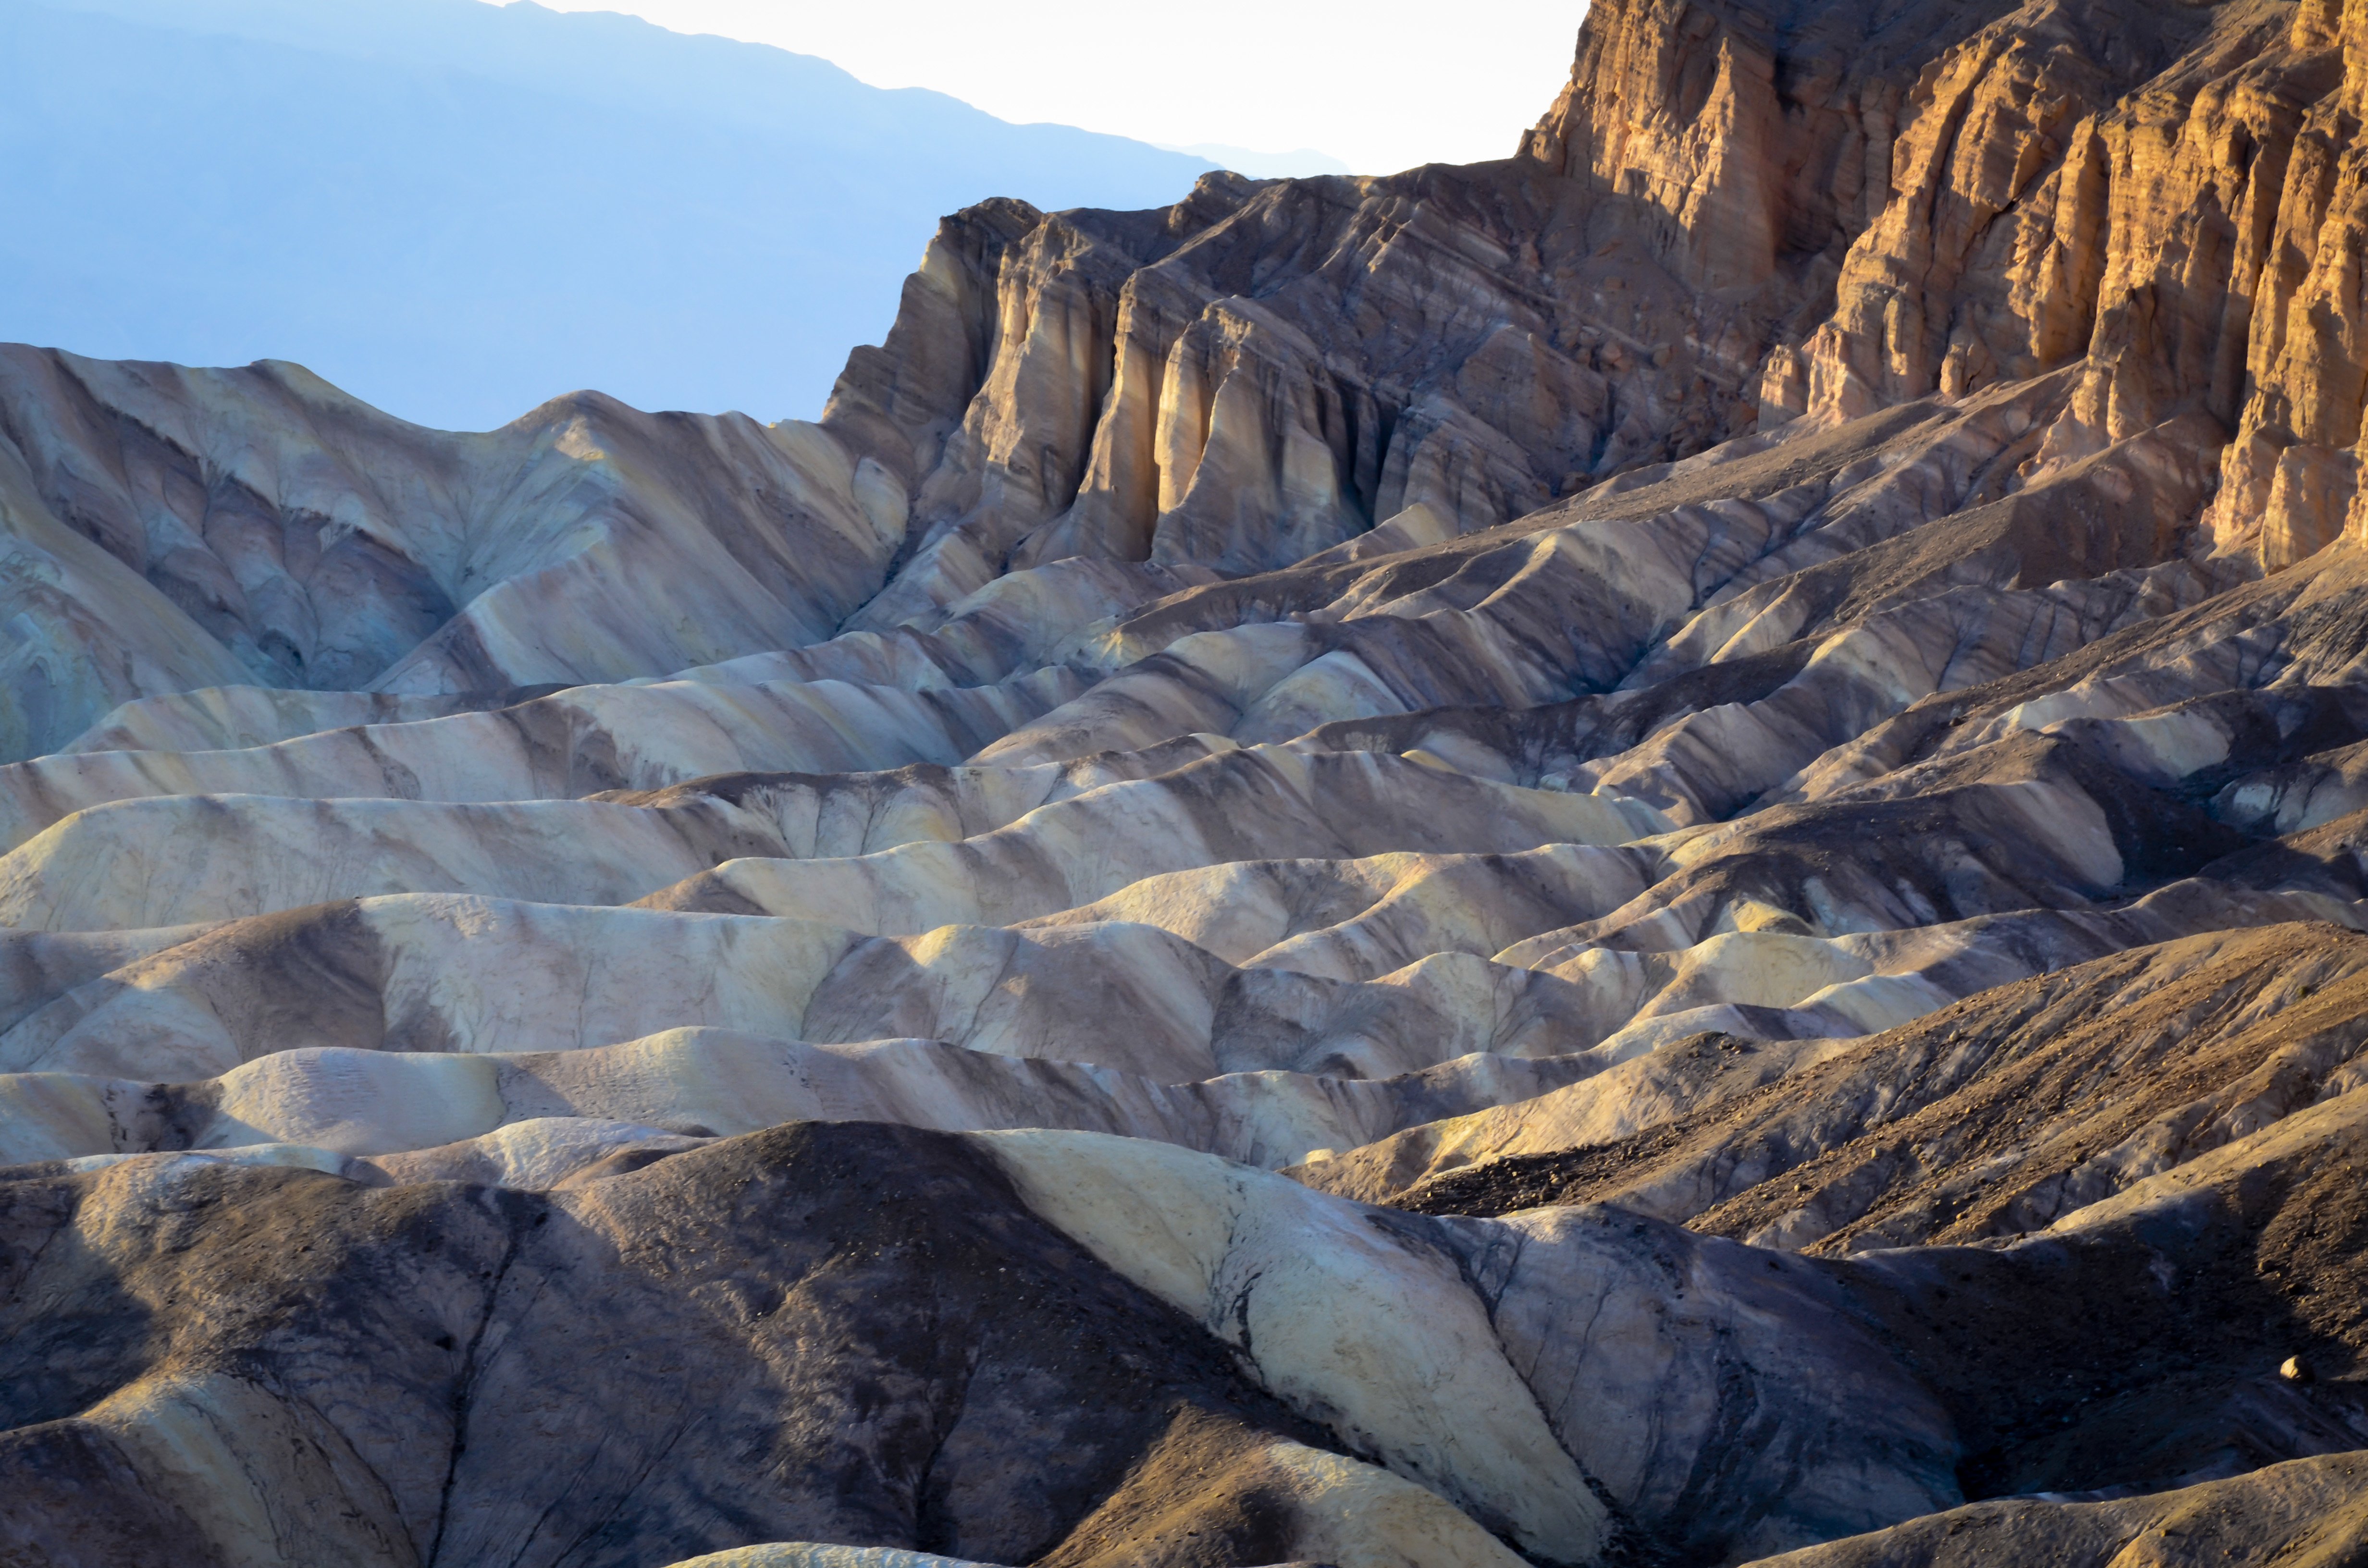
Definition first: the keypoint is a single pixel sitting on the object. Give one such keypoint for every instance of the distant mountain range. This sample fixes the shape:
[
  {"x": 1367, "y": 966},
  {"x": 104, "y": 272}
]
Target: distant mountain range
[{"x": 456, "y": 210}]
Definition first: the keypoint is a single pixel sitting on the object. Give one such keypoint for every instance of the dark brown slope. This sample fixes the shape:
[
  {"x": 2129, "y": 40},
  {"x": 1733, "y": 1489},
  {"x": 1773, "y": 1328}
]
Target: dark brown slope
[
  {"x": 2135, "y": 1351},
  {"x": 2304, "y": 1513},
  {"x": 1989, "y": 1118},
  {"x": 827, "y": 1333},
  {"x": 854, "y": 1333}
]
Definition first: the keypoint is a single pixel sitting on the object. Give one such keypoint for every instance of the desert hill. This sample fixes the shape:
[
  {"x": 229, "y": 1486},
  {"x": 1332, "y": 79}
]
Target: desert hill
[{"x": 1651, "y": 854}]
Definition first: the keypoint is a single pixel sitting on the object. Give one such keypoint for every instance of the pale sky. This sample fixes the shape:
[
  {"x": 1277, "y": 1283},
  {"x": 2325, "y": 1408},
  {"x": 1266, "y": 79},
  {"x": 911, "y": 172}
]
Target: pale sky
[{"x": 1382, "y": 85}]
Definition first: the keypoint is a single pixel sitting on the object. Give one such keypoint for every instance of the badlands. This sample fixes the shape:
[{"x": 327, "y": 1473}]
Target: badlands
[{"x": 1655, "y": 853}]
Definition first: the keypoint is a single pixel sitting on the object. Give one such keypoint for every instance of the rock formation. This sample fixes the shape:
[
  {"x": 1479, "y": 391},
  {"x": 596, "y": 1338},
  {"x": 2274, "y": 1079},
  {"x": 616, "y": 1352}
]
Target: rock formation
[{"x": 1655, "y": 853}]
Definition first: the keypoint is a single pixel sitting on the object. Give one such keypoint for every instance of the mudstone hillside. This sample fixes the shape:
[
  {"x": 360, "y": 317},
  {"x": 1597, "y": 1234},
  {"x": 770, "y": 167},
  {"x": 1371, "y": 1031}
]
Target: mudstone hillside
[{"x": 1650, "y": 855}]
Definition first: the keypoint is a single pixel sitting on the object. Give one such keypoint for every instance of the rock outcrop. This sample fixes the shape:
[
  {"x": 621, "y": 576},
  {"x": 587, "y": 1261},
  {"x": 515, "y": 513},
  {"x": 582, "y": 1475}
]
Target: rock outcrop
[{"x": 1657, "y": 853}]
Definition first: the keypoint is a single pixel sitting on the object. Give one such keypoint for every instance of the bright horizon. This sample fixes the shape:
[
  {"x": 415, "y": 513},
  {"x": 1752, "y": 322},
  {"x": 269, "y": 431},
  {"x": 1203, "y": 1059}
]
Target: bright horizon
[{"x": 1407, "y": 83}]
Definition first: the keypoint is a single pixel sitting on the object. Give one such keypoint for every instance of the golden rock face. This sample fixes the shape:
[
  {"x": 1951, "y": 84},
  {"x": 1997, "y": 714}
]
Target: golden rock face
[{"x": 2164, "y": 195}]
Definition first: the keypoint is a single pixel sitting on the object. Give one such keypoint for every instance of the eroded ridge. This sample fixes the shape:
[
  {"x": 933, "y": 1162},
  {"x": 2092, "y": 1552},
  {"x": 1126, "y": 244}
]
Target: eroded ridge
[{"x": 1652, "y": 854}]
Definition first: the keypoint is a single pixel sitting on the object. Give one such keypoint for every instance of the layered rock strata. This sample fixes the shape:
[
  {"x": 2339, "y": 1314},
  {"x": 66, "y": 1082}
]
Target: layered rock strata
[{"x": 1650, "y": 854}]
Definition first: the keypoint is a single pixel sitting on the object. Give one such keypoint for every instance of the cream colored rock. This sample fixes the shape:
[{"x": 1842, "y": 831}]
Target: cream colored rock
[
  {"x": 1361, "y": 919},
  {"x": 1402, "y": 1360},
  {"x": 181, "y": 859},
  {"x": 1501, "y": 1363},
  {"x": 1777, "y": 673},
  {"x": 533, "y": 1155},
  {"x": 1361, "y": 1516},
  {"x": 585, "y": 740},
  {"x": 1257, "y": 803},
  {"x": 433, "y": 974},
  {"x": 702, "y": 1081},
  {"x": 429, "y": 974}
]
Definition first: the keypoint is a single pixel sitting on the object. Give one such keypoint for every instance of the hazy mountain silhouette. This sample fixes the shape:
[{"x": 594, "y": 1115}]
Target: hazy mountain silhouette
[{"x": 456, "y": 210}]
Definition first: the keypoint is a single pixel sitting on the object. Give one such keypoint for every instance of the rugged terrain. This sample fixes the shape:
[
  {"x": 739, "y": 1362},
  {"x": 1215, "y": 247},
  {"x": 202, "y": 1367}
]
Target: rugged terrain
[{"x": 1650, "y": 855}]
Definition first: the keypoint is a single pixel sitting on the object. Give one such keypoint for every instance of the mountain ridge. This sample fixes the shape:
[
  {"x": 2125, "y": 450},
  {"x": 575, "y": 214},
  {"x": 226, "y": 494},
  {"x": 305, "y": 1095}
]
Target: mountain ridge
[
  {"x": 1636, "y": 855},
  {"x": 482, "y": 204}
]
